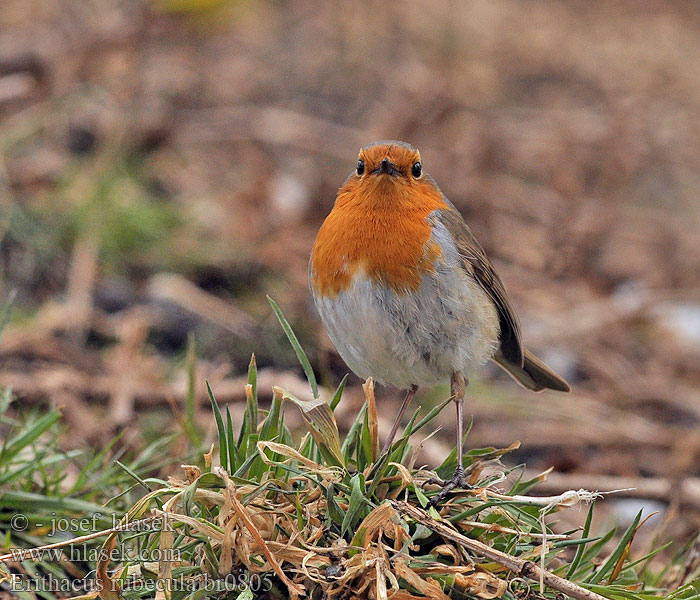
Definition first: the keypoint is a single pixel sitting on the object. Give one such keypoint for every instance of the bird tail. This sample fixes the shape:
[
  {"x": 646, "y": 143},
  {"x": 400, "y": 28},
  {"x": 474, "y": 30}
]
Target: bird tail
[{"x": 534, "y": 374}]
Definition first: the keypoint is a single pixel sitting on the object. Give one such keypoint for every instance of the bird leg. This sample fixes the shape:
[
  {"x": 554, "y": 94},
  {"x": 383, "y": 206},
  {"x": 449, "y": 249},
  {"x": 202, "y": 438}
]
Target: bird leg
[
  {"x": 410, "y": 393},
  {"x": 458, "y": 385}
]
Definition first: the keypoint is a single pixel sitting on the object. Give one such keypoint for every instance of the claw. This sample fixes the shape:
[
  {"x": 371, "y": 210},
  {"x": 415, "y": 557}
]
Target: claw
[
  {"x": 458, "y": 481},
  {"x": 432, "y": 481}
]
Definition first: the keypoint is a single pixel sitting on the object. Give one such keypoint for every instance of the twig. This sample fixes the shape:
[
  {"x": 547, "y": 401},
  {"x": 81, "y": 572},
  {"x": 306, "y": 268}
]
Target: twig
[
  {"x": 180, "y": 291},
  {"x": 81, "y": 281},
  {"x": 523, "y": 568},
  {"x": 567, "y": 498},
  {"x": 686, "y": 491}
]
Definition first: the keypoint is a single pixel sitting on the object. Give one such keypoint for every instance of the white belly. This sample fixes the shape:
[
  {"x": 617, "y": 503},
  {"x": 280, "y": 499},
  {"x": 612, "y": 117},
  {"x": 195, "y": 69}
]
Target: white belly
[{"x": 449, "y": 325}]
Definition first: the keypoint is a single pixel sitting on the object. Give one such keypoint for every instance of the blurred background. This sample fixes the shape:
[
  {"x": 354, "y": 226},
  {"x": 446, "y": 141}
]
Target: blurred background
[{"x": 165, "y": 164}]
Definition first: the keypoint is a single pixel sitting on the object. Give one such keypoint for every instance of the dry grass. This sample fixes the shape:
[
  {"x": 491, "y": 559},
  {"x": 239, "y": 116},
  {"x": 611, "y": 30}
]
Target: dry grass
[{"x": 323, "y": 519}]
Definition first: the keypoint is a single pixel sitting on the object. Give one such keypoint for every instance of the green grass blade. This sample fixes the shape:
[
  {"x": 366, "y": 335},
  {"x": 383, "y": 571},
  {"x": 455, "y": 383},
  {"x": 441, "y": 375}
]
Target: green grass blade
[
  {"x": 232, "y": 453},
  {"x": 381, "y": 467},
  {"x": 398, "y": 449},
  {"x": 251, "y": 457},
  {"x": 338, "y": 392},
  {"x": 521, "y": 487},
  {"x": 253, "y": 375},
  {"x": 271, "y": 425},
  {"x": 33, "y": 502},
  {"x": 365, "y": 457},
  {"x": 397, "y": 453},
  {"x": 333, "y": 511},
  {"x": 250, "y": 416},
  {"x": 269, "y": 432},
  {"x": 357, "y": 504},
  {"x": 28, "y": 435},
  {"x": 577, "y": 542},
  {"x": 591, "y": 553},
  {"x": 133, "y": 475},
  {"x": 581, "y": 549},
  {"x": 252, "y": 397},
  {"x": 431, "y": 414},
  {"x": 5, "y": 314},
  {"x": 310, "y": 377},
  {"x": 649, "y": 555},
  {"x": 448, "y": 466},
  {"x": 223, "y": 440},
  {"x": 621, "y": 547},
  {"x": 20, "y": 473},
  {"x": 190, "y": 423},
  {"x": 349, "y": 442},
  {"x": 94, "y": 464}
]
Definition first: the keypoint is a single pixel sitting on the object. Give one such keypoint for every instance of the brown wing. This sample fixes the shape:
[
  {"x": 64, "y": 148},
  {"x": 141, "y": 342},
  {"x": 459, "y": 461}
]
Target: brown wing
[{"x": 477, "y": 264}]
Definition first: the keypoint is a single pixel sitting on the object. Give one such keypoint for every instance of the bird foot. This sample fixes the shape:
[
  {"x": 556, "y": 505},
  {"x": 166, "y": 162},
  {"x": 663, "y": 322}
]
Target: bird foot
[{"x": 458, "y": 481}]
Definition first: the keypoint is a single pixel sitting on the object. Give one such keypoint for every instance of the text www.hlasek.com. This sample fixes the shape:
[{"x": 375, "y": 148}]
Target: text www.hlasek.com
[{"x": 79, "y": 553}]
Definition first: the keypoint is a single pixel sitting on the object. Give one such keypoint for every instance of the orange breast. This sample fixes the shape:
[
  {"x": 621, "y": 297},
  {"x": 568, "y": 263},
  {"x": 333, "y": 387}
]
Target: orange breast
[{"x": 380, "y": 230}]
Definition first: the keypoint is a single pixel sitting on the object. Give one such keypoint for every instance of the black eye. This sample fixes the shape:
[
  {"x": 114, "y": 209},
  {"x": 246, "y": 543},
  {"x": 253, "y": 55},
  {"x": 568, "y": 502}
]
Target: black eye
[
  {"x": 417, "y": 170},
  {"x": 360, "y": 167}
]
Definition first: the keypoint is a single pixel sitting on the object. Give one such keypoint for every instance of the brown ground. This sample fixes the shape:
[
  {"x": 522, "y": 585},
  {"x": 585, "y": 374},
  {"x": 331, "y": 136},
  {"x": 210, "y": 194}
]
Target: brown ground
[{"x": 165, "y": 164}]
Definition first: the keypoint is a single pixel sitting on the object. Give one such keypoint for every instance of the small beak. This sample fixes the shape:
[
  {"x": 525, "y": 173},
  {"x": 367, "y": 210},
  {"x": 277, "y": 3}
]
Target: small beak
[{"x": 386, "y": 166}]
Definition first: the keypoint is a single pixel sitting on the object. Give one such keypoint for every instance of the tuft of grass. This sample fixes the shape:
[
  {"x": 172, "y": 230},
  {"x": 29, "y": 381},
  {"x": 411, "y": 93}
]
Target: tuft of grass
[
  {"x": 48, "y": 495},
  {"x": 322, "y": 517}
]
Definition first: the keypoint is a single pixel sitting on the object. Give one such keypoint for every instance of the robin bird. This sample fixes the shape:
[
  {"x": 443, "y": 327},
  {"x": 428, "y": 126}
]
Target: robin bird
[{"x": 405, "y": 291}]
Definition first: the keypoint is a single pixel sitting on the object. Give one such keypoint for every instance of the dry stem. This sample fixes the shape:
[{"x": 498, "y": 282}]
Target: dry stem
[{"x": 521, "y": 567}]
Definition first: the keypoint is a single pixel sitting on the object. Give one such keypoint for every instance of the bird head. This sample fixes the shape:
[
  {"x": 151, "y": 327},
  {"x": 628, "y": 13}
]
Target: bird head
[{"x": 388, "y": 173}]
